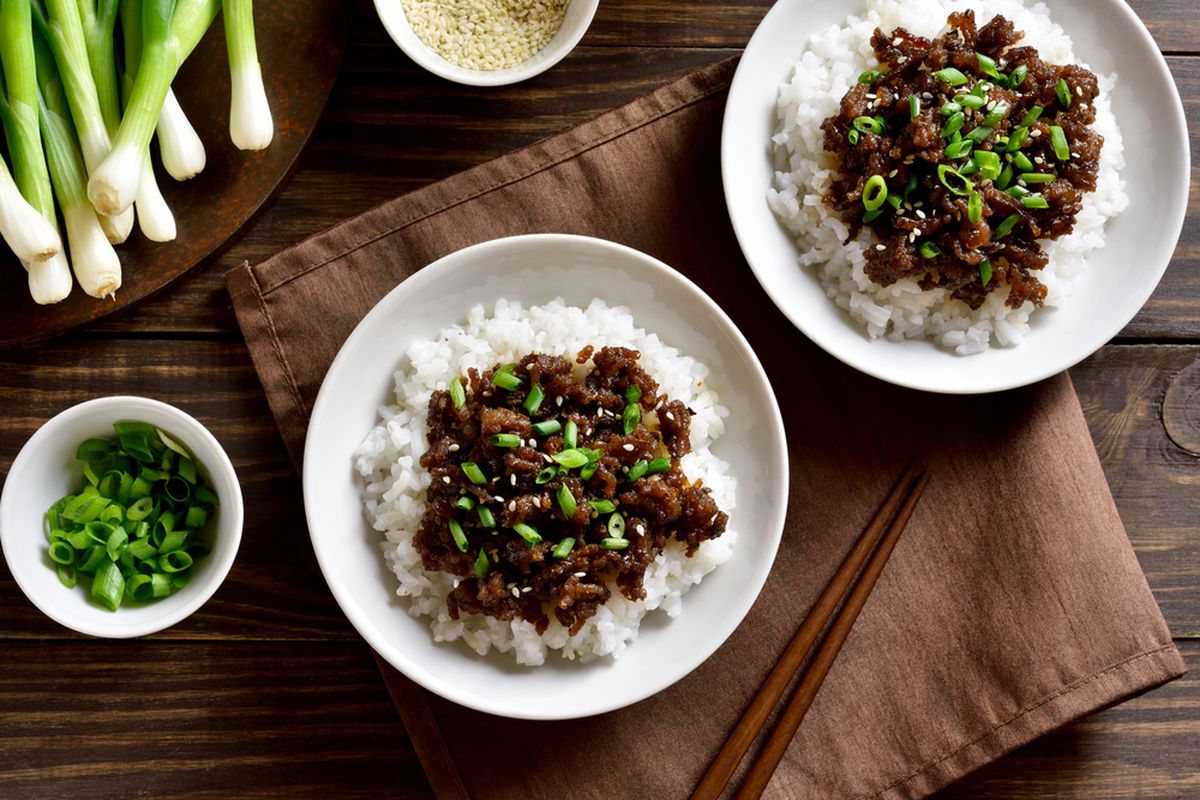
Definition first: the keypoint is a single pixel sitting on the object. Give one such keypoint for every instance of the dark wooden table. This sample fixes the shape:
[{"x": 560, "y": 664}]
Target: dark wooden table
[{"x": 268, "y": 692}]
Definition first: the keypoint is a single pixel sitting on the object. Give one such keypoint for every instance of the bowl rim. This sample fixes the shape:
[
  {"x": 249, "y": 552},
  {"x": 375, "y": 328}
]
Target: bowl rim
[
  {"x": 233, "y": 516},
  {"x": 362, "y": 620},
  {"x": 395, "y": 22},
  {"x": 1111, "y": 325}
]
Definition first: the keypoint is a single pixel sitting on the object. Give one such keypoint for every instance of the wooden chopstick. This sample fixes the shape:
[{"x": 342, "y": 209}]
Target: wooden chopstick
[{"x": 908, "y": 491}]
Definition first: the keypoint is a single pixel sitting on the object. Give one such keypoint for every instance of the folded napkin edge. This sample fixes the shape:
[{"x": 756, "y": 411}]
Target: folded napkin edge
[{"x": 1089, "y": 694}]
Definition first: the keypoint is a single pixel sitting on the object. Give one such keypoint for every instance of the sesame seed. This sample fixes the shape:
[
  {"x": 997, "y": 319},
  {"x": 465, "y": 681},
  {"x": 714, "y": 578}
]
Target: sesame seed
[
  {"x": 445, "y": 479},
  {"x": 897, "y": 42},
  {"x": 870, "y": 96},
  {"x": 580, "y": 574},
  {"x": 893, "y": 173},
  {"x": 453, "y": 448},
  {"x": 916, "y": 231},
  {"x": 512, "y": 505},
  {"x": 1035, "y": 133},
  {"x": 526, "y": 589},
  {"x": 513, "y": 479},
  {"x": 920, "y": 214},
  {"x": 628, "y": 448},
  {"x": 881, "y": 248},
  {"x": 558, "y": 400},
  {"x": 498, "y": 499},
  {"x": 670, "y": 416},
  {"x": 1079, "y": 91},
  {"x": 456, "y": 583},
  {"x": 516, "y": 592},
  {"x": 1074, "y": 155},
  {"x": 641, "y": 529},
  {"x": 533, "y": 443}
]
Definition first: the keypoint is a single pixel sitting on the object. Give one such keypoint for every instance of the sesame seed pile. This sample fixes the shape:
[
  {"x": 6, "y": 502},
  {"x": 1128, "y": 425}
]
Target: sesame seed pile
[{"x": 485, "y": 34}]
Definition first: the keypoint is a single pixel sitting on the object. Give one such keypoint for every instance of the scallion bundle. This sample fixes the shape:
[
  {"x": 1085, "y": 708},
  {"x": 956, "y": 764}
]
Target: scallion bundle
[
  {"x": 136, "y": 524},
  {"x": 79, "y": 112}
]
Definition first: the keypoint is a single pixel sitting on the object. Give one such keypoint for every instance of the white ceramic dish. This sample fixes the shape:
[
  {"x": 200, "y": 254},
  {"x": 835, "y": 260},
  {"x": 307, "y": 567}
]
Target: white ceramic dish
[
  {"x": 1119, "y": 279},
  {"x": 45, "y": 470},
  {"x": 536, "y": 269},
  {"x": 575, "y": 23}
]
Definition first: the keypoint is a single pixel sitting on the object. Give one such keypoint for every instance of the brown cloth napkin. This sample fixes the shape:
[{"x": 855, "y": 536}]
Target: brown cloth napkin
[{"x": 1013, "y": 605}]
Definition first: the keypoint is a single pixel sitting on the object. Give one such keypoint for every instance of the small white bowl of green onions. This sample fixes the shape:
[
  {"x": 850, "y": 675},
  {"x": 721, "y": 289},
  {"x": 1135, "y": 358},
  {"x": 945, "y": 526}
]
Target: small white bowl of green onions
[{"x": 120, "y": 517}]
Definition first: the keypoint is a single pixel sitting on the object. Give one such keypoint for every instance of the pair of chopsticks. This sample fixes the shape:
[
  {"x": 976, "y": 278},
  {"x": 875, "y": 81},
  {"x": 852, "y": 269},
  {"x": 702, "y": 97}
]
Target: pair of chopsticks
[{"x": 885, "y": 529}]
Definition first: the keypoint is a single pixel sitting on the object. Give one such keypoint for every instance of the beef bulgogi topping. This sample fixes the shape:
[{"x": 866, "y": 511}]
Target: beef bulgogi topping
[
  {"x": 548, "y": 487},
  {"x": 961, "y": 153}
]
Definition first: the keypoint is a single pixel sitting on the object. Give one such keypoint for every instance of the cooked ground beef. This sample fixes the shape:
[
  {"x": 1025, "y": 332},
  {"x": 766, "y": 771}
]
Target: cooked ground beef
[
  {"x": 973, "y": 103},
  {"x": 507, "y": 493}
]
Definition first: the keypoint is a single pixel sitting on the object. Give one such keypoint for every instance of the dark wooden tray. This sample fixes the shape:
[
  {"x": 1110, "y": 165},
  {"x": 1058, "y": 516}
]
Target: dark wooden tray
[{"x": 300, "y": 46}]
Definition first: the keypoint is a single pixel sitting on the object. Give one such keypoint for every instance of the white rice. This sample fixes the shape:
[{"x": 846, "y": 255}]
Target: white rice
[
  {"x": 828, "y": 68},
  {"x": 394, "y": 493}
]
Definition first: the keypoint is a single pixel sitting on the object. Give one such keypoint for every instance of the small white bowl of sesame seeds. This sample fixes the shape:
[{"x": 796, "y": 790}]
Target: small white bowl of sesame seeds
[{"x": 486, "y": 42}]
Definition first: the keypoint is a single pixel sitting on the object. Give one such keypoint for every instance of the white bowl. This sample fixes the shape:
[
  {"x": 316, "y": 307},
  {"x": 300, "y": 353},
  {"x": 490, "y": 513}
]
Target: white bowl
[
  {"x": 46, "y": 470},
  {"x": 1119, "y": 278},
  {"x": 575, "y": 23},
  {"x": 534, "y": 270}
]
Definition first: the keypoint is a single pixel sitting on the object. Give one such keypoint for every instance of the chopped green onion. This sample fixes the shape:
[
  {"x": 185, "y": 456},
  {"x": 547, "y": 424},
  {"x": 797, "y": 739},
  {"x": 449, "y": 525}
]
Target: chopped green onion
[
  {"x": 980, "y": 134},
  {"x": 638, "y": 470},
  {"x": 951, "y": 76},
  {"x": 504, "y": 378},
  {"x": 853, "y": 137},
  {"x": 960, "y": 149},
  {"x": 108, "y": 585},
  {"x": 985, "y": 271},
  {"x": 953, "y": 125},
  {"x": 465, "y": 503},
  {"x": 473, "y": 472},
  {"x": 571, "y": 459},
  {"x": 603, "y": 506},
  {"x": 988, "y": 163},
  {"x": 507, "y": 440},
  {"x": 62, "y": 553},
  {"x": 914, "y": 106},
  {"x": 610, "y": 543},
  {"x": 570, "y": 434},
  {"x": 1022, "y": 162},
  {"x": 566, "y": 501},
  {"x": 1063, "y": 92},
  {"x": 871, "y": 216},
  {"x": 456, "y": 533},
  {"x": 66, "y": 576},
  {"x": 547, "y": 427},
  {"x": 1005, "y": 227},
  {"x": 873, "y": 125},
  {"x": 1058, "y": 139},
  {"x": 1037, "y": 177},
  {"x": 633, "y": 393},
  {"x": 987, "y": 65},
  {"x": 658, "y": 465},
  {"x": 1034, "y": 114},
  {"x": 954, "y": 181},
  {"x": 631, "y": 417},
  {"x": 929, "y": 250},
  {"x": 1018, "y": 75},
  {"x": 1017, "y": 138},
  {"x": 996, "y": 114},
  {"x": 546, "y": 475},
  {"x": 563, "y": 548},
  {"x": 870, "y": 76},
  {"x": 1005, "y": 177},
  {"x": 875, "y": 192},
  {"x": 1017, "y": 192},
  {"x": 950, "y": 109},
  {"x": 528, "y": 533},
  {"x": 534, "y": 401},
  {"x": 458, "y": 395},
  {"x": 975, "y": 208},
  {"x": 486, "y": 518},
  {"x": 1034, "y": 201},
  {"x": 482, "y": 565},
  {"x": 970, "y": 101},
  {"x": 616, "y": 526}
]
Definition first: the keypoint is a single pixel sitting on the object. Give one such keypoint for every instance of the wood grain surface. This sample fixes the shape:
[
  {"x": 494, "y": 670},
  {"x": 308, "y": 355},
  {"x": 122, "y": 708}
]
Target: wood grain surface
[{"x": 268, "y": 692}]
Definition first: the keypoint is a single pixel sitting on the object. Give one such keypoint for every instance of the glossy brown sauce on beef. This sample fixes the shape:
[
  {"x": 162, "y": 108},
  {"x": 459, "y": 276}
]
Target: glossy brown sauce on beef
[
  {"x": 977, "y": 241},
  {"x": 630, "y": 439}
]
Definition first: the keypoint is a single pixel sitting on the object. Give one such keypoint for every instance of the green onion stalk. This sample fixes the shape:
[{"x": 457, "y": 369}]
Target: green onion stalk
[
  {"x": 250, "y": 123},
  {"x": 170, "y": 30},
  {"x": 27, "y": 233},
  {"x": 154, "y": 215},
  {"x": 97, "y": 267},
  {"x": 49, "y": 280},
  {"x": 179, "y": 145},
  {"x": 98, "y": 19}
]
